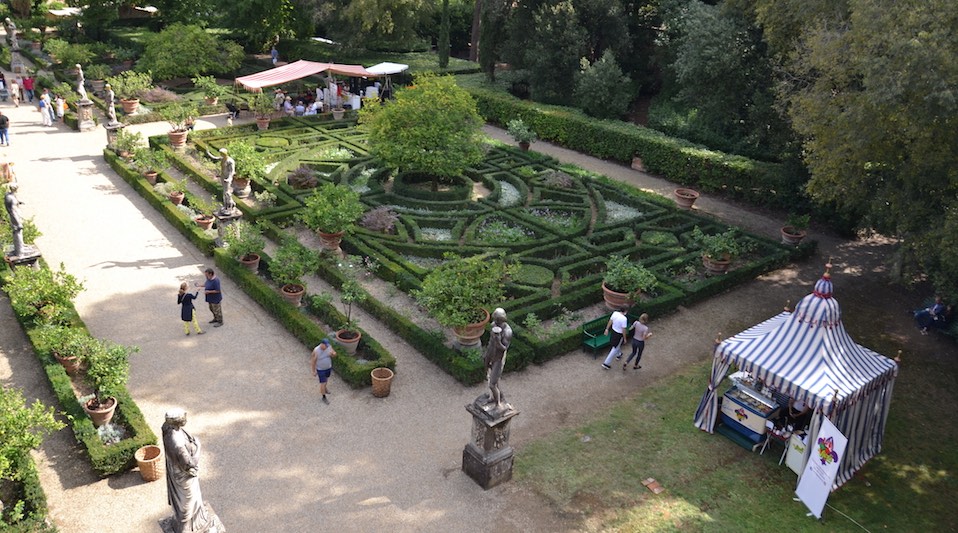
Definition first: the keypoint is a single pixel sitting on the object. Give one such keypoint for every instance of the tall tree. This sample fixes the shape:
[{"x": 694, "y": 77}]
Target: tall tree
[
  {"x": 261, "y": 22},
  {"x": 553, "y": 57},
  {"x": 442, "y": 47},
  {"x": 605, "y": 25},
  {"x": 874, "y": 96}
]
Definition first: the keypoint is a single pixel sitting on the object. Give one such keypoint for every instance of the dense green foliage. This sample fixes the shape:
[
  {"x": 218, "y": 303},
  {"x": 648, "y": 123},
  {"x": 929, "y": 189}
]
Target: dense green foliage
[
  {"x": 43, "y": 295},
  {"x": 22, "y": 429},
  {"x": 457, "y": 289},
  {"x": 182, "y": 50},
  {"x": 601, "y": 89}
]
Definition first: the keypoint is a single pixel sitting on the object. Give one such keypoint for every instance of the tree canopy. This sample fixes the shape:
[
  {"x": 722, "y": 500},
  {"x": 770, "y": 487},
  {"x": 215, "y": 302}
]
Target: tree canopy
[{"x": 182, "y": 50}]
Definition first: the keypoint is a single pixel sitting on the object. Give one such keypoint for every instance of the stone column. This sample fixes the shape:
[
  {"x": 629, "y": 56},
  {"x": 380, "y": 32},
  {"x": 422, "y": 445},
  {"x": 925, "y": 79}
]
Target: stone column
[
  {"x": 111, "y": 131},
  {"x": 487, "y": 459},
  {"x": 85, "y": 115},
  {"x": 222, "y": 221}
]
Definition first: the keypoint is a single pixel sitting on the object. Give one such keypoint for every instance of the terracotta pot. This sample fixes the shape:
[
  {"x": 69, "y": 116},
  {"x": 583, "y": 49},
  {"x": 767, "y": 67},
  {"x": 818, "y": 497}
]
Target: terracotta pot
[
  {"x": 524, "y": 146},
  {"x": 382, "y": 381},
  {"x": 149, "y": 459},
  {"x": 338, "y": 114},
  {"x": 130, "y": 106},
  {"x": 262, "y": 122},
  {"x": 470, "y": 334},
  {"x": 211, "y": 101},
  {"x": 177, "y": 139},
  {"x": 98, "y": 86},
  {"x": 241, "y": 188},
  {"x": 793, "y": 236},
  {"x": 104, "y": 414},
  {"x": 615, "y": 300},
  {"x": 637, "y": 164},
  {"x": 716, "y": 266},
  {"x": 330, "y": 241},
  {"x": 36, "y": 45},
  {"x": 293, "y": 293},
  {"x": 70, "y": 363},
  {"x": 151, "y": 176},
  {"x": 684, "y": 198},
  {"x": 250, "y": 261},
  {"x": 176, "y": 198},
  {"x": 349, "y": 344},
  {"x": 205, "y": 222}
]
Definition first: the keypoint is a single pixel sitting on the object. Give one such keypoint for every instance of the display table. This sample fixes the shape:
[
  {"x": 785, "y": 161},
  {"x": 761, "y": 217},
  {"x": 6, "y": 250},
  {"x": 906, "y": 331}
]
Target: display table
[{"x": 746, "y": 411}]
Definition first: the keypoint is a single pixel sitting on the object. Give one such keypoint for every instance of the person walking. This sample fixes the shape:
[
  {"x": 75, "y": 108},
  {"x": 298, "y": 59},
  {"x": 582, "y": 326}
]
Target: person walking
[
  {"x": 28, "y": 83},
  {"x": 15, "y": 92},
  {"x": 214, "y": 297},
  {"x": 640, "y": 332},
  {"x": 187, "y": 309},
  {"x": 321, "y": 364},
  {"x": 43, "y": 106},
  {"x": 618, "y": 323},
  {"x": 4, "y": 130}
]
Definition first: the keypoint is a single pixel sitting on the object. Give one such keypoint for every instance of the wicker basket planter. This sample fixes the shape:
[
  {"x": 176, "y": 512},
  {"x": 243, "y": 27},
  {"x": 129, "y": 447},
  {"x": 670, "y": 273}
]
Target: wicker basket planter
[
  {"x": 150, "y": 460},
  {"x": 382, "y": 381}
]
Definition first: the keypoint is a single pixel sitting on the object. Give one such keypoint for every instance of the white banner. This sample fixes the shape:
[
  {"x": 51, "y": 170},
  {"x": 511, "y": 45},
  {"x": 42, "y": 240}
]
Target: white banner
[{"x": 822, "y": 467}]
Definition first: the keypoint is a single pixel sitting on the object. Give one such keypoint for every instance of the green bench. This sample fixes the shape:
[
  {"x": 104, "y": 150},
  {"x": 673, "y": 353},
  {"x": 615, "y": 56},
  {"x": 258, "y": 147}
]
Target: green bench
[{"x": 594, "y": 337}]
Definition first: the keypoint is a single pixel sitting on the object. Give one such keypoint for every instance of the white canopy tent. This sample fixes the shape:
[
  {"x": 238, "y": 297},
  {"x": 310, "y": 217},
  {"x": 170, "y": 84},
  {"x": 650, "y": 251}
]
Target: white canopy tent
[{"x": 808, "y": 355}]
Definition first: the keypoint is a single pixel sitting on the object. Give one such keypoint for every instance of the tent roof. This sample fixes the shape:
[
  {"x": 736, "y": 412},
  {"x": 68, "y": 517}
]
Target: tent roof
[
  {"x": 808, "y": 354},
  {"x": 297, "y": 70},
  {"x": 387, "y": 68}
]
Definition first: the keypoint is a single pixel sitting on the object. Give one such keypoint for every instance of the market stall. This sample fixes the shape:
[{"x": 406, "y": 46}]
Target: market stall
[{"x": 808, "y": 356}]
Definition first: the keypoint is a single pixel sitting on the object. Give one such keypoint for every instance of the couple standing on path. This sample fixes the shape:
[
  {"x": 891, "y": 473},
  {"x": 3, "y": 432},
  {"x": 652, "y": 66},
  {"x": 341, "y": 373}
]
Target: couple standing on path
[
  {"x": 214, "y": 297},
  {"x": 619, "y": 324}
]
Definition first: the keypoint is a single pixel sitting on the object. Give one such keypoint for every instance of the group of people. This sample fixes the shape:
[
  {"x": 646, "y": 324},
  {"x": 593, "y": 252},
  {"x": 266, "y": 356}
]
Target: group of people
[
  {"x": 213, "y": 294},
  {"x": 303, "y": 104},
  {"x": 620, "y": 329}
]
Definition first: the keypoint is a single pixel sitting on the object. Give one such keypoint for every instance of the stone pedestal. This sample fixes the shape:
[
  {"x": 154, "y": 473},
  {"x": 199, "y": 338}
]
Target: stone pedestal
[
  {"x": 31, "y": 254},
  {"x": 16, "y": 63},
  {"x": 487, "y": 459},
  {"x": 224, "y": 219},
  {"x": 85, "y": 115},
  {"x": 111, "y": 131},
  {"x": 213, "y": 525}
]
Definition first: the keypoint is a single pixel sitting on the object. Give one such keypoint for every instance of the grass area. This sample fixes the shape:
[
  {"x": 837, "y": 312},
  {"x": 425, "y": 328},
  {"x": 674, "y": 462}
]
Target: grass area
[{"x": 713, "y": 485}]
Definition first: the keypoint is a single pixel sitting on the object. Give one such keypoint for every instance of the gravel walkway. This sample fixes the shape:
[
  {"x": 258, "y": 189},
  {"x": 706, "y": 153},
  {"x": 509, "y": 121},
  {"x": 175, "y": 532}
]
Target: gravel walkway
[{"x": 274, "y": 457}]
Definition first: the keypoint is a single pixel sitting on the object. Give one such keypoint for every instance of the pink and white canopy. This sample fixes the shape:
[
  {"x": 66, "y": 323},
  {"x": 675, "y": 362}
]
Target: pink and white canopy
[{"x": 297, "y": 70}]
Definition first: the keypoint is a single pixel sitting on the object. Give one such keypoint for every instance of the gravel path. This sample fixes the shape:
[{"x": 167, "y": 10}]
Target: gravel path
[{"x": 274, "y": 457}]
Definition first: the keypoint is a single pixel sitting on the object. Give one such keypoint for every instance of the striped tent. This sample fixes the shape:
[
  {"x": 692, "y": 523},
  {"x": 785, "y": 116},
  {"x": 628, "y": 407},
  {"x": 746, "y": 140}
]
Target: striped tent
[
  {"x": 808, "y": 355},
  {"x": 299, "y": 69}
]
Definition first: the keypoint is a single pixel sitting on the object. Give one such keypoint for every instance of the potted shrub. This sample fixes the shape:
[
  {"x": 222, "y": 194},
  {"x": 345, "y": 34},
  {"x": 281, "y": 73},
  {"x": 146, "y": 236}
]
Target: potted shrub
[
  {"x": 250, "y": 165},
  {"x": 717, "y": 249},
  {"x": 331, "y": 211},
  {"x": 795, "y": 228},
  {"x": 128, "y": 85},
  {"x": 204, "y": 211},
  {"x": 521, "y": 133},
  {"x": 351, "y": 291},
  {"x": 97, "y": 74},
  {"x": 460, "y": 292},
  {"x": 42, "y": 295},
  {"x": 126, "y": 142},
  {"x": 261, "y": 104},
  {"x": 179, "y": 116},
  {"x": 624, "y": 281},
  {"x": 685, "y": 197},
  {"x": 290, "y": 263},
  {"x": 212, "y": 91},
  {"x": 149, "y": 162},
  {"x": 108, "y": 368},
  {"x": 245, "y": 243},
  {"x": 176, "y": 190},
  {"x": 67, "y": 344}
]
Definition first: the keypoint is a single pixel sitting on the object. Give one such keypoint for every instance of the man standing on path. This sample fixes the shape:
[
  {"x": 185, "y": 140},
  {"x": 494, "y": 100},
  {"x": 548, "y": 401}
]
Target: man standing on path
[
  {"x": 618, "y": 322},
  {"x": 28, "y": 87},
  {"x": 4, "y": 127},
  {"x": 321, "y": 364},
  {"x": 214, "y": 297}
]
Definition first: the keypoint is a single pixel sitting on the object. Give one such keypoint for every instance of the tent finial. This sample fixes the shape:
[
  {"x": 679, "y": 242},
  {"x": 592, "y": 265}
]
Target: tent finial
[
  {"x": 898, "y": 357},
  {"x": 828, "y": 268},
  {"x": 718, "y": 338},
  {"x": 788, "y": 306}
]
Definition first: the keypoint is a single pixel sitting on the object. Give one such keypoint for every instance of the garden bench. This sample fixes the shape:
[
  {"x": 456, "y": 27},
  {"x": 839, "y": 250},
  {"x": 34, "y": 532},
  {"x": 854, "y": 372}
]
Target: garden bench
[{"x": 594, "y": 337}]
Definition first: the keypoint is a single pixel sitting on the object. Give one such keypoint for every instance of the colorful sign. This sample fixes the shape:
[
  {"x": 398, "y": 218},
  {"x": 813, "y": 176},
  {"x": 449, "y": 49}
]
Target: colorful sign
[{"x": 822, "y": 467}]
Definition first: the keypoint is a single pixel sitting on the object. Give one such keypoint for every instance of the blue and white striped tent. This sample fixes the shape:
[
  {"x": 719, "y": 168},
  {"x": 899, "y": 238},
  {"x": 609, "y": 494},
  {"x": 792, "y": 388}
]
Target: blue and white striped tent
[{"x": 808, "y": 355}]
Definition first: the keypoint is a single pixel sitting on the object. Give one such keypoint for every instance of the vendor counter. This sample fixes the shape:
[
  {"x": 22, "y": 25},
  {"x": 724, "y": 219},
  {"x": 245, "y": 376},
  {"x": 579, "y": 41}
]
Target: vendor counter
[{"x": 746, "y": 411}]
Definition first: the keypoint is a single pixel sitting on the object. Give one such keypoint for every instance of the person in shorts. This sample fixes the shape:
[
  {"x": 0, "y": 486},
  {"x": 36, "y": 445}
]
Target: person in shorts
[{"x": 321, "y": 364}]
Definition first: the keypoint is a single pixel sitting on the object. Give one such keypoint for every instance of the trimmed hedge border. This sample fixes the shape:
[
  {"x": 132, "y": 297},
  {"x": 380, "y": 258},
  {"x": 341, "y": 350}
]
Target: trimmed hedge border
[
  {"x": 106, "y": 460},
  {"x": 34, "y": 499}
]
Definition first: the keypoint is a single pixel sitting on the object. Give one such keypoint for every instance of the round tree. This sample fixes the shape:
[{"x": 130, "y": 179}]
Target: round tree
[{"x": 432, "y": 128}]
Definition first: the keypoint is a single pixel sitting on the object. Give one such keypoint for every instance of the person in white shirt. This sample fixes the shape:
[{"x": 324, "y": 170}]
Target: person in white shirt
[{"x": 618, "y": 323}]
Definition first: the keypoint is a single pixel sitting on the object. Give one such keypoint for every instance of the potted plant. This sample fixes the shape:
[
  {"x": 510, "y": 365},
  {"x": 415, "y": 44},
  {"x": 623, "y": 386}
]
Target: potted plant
[
  {"x": 126, "y": 142},
  {"x": 331, "y": 211},
  {"x": 350, "y": 292},
  {"x": 97, "y": 74},
  {"x": 261, "y": 104},
  {"x": 176, "y": 190},
  {"x": 290, "y": 263},
  {"x": 204, "y": 211},
  {"x": 521, "y": 133},
  {"x": 460, "y": 292},
  {"x": 338, "y": 110},
  {"x": 685, "y": 197},
  {"x": 245, "y": 243},
  {"x": 212, "y": 91},
  {"x": 108, "y": 368},
  {"x": 717, "y": 249},
  {"x": 149, "y": 162},
  {"x": 794, "y": 229},
  {"x": 250, "y": 165},
  {"x": 624, "y": 281},
  {"x": 128, "y": 85},
  {"x": 68, "y": 345},
  {"x": 179, "y": 116}
]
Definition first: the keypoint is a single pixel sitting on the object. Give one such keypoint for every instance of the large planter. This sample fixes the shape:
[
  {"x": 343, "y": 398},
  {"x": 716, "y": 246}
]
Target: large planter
[
  {"x": 293, "y": 293},
  {"x": 149, "y": 459},
  {"x": 205, "y": 222},
  {"x": 349, "y": 340},
  {"x": 330, "y": 241},
  {"x": 524, "y": 145},
  {"x": 338, "y": 114},
  {"x": 716, "y": 266},
  {"x": 637, "y": 164},
  {"x": 241, "y": 188},
  {"x": 470, "y": 334},
  {"x": 616, "y": 300},
  {"x": 98, "y": 86},
  {"x": 684, "y": 198},
  {"x": 102, "y": 415},
  {"x": 70, "y": 363},
  {"x": 151, "y": 176},
  {"x": 176, "y": 197},
  {"x": 792, "y": 235},
  {"x": 382, "y": 381},
  {"x": 211, "y": 101},
  {"x": 130, "y": 106},
  {"x": 177, "y": 139},
  {"x": 262, "y": 122},
  {"x": 36, "y": 45},
  {"x": 250, "y": 261}
]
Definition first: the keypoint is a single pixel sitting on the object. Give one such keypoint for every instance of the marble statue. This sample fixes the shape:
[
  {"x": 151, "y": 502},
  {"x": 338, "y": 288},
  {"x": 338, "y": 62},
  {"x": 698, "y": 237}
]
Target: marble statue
[
  {"x": 12, "y": 35},
  {"x": 495, "y": 355},
  {"x": 12, "y": 204},
  {"x": 227, "y": 172},
  {"x": 81, "y": 81},
  {"x": 182, "y": 475},
  {"x": 110, "y": 99}
]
